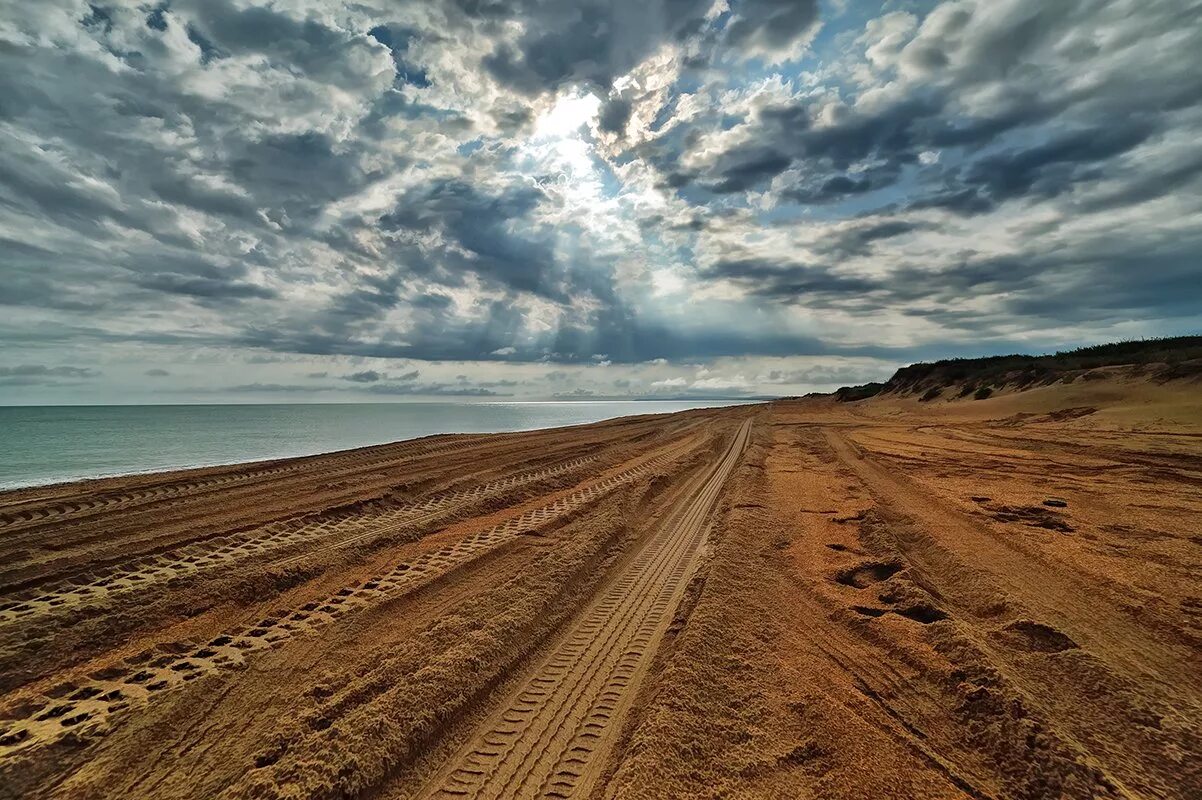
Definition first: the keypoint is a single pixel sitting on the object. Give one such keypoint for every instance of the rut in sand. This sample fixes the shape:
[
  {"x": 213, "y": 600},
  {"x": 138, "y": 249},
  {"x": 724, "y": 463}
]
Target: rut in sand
[{"x": 551, "y": 737}]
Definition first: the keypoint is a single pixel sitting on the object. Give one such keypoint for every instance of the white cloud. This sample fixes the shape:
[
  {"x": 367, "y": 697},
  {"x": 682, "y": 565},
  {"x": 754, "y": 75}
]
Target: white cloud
[{"x": 412, "y": 182}]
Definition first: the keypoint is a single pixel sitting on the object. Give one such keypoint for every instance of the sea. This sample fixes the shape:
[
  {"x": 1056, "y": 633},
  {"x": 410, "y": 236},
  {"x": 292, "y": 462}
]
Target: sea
[{"x": 51, "y": 444}]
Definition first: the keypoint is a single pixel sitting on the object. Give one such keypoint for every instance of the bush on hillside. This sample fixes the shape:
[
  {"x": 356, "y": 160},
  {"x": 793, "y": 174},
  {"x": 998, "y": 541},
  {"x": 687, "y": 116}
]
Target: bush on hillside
[
  {"x": 849, "y": 394},
  {"x": 1162, "y": 360},
  {"x": 1026, "y": 371}
]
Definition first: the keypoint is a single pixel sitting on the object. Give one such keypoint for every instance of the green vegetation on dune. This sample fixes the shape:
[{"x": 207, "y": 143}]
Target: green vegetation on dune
[
  {"x": 850, "y": 393},
  {"x": 1165, "y": 359}
]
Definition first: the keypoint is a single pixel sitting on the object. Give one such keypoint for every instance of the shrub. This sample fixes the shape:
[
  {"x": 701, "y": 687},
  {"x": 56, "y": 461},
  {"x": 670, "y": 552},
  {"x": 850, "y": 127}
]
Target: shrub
[
  {"x": 931, "y": 394},
  {"x": 1028, "y": 370},
  {"x": 849, "y": 394},
  {"x": 982, "y": 393}
]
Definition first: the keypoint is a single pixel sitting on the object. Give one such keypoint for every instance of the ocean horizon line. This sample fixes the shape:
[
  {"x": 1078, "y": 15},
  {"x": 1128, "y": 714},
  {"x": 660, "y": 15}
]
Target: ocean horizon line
[
  {"x": 452, "y": 402},
  {"x": 47, "y": 445}
]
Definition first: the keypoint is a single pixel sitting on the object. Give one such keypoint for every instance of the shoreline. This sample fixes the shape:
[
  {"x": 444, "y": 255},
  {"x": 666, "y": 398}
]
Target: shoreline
[
  {"x": 218, "y": 463},
  {"x": 195, "y": 470}
]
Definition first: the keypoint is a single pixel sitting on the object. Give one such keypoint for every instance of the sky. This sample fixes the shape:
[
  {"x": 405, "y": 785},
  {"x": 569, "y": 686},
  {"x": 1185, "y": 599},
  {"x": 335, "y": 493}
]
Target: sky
[{"x": 378, "y": 200}]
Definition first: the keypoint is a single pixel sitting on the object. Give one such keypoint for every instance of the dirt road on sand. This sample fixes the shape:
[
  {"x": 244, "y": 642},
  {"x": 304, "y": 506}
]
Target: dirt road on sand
[
  {"x": 552, "y": 735},
  {"x": 986, "y": 599}
]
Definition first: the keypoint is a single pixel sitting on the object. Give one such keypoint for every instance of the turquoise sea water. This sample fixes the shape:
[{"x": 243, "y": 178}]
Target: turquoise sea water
[{"x": 50, "y": 444}]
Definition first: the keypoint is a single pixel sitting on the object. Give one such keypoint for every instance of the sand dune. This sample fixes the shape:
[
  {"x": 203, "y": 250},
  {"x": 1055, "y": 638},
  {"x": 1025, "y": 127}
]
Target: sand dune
[{"x": 890, "y": 598}]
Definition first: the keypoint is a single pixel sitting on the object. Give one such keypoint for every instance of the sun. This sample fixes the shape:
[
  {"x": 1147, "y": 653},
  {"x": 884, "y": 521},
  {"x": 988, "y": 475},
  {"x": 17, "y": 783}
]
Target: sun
[
  {"x": 561, "y": 146},
  {"x": 564, "y": 119}
]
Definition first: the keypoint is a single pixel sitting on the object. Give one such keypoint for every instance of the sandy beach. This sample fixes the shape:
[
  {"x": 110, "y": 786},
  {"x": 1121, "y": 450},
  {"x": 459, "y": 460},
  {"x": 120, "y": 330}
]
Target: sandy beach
[
  {"x": 649, "y": 400},
  {"x": 889, "y": 598}
]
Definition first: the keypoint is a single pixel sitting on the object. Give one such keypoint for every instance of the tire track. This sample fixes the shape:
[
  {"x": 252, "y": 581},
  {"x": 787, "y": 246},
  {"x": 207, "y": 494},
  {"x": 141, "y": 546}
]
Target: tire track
[
  {"x": 551, "y": 738},
  {"x": 87, "y": 707},
  {"x": 225, "y": 551},
  {"x": 944, "y": 536},
  {"x": 172, "y": 526},
  {"x": 62, "y": 592},
  {"x": 72, "y": 509}
]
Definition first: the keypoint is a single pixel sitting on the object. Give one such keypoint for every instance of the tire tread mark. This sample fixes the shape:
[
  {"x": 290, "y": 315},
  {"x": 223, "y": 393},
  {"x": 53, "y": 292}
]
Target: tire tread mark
[
  {"x": 224, "y": 551},
  {"x": 65, "y": 509},
  {"x": 140, "y": 679},
  {"x": 551, "y": 736}
]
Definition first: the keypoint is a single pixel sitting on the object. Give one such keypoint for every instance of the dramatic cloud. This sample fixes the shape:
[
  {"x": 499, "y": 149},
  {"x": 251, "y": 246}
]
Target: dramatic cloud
[{"x": 641, "y": 198}]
